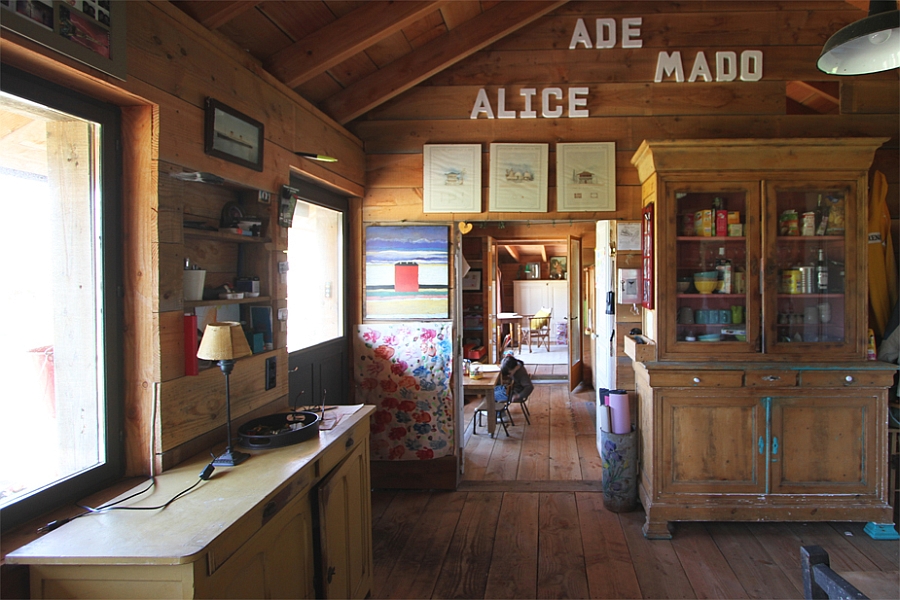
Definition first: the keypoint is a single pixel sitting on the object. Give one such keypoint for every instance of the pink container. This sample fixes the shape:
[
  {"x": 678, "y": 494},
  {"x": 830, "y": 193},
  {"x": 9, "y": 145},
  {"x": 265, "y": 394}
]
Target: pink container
[{"x": 620, "y": 412}]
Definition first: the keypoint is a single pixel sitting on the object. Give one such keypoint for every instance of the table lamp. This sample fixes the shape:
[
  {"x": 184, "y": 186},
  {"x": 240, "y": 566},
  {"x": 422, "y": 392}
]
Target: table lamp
[{"x": 225, "y": 342}]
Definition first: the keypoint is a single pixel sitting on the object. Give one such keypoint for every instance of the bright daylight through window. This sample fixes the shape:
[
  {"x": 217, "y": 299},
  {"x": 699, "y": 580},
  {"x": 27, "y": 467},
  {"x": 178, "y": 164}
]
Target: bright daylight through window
[
  {"x": 51, "y": 360},
  {"x": 315, "y": 278}
]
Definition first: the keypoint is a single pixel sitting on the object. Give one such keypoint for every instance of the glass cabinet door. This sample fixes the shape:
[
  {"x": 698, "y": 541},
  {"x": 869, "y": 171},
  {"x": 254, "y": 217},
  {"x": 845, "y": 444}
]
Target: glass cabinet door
[
  {"x": 809, "y": 250},
  {"x": 716, "y": 276}
]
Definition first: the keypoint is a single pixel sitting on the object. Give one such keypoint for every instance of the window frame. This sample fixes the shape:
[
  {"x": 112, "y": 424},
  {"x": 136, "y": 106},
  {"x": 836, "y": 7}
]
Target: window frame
[{"x": 71, "y": 489}]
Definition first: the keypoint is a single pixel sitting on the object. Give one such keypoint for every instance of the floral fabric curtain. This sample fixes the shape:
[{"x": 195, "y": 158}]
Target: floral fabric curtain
[{"x": 404, "y": 370}]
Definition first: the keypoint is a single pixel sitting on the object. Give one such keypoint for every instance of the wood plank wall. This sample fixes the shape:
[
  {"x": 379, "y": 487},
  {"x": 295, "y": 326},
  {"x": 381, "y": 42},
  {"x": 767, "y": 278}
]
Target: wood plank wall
[
  {"x": 625, "y": 104},
  {"x": 174, "y": 64}
]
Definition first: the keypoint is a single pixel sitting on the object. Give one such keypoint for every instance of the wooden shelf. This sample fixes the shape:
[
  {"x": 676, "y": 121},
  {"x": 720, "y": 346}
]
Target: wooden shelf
[
  {"x": 220, "y": 302},
  {"x": 224, "y": 236}
]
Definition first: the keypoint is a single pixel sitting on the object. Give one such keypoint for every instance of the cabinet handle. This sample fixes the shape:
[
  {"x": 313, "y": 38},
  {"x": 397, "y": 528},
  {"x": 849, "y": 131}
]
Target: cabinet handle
[
  {"x": 331, "y": 571},
  {"x": 349, "y": 443},
  {"x": 849, "y": 378},
  {"x": 772, "y": 378},
  {"x": 774, "y": 445},
  {"x": 696, "y": 380},
  {"x": 762, "y": 445}
]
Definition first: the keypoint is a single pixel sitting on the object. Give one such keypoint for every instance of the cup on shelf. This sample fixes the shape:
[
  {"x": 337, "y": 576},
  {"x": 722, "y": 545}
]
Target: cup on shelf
[
  {"x": 193, "y": 284},
  {"x": 737, "y": 315},
  {"x": 811, "y": 315},
  {"x": 686, "y": 315},
  {"x": 824, "y": 312}
]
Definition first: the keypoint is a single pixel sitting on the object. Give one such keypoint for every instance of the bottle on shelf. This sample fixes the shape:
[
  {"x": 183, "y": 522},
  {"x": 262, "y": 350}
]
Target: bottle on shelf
[
  {"x": 724, "y": 267},
  {"x": 821, "y": 217},
  {"x": 822, "y": 273}
]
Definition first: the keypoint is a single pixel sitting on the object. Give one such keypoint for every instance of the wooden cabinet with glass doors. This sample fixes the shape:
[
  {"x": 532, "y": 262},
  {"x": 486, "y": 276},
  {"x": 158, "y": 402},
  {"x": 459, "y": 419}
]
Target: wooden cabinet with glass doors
[{"x": 758, "y": 402}]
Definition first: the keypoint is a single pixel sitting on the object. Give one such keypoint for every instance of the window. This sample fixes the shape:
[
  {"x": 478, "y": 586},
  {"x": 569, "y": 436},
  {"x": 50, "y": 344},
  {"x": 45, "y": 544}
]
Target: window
[
  {"x": 315, "y": 280},
  {"x": 60, "y": 359}
]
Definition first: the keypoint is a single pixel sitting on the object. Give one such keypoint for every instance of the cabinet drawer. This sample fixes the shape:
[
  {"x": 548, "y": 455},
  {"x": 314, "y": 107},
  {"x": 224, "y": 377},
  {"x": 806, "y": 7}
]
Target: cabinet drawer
[
  {"x": 770, "y": 378},
  {"x": 697, "y": 379},
  {"x": 846, "y": 378},
  {"x": 341, "y": 447}
]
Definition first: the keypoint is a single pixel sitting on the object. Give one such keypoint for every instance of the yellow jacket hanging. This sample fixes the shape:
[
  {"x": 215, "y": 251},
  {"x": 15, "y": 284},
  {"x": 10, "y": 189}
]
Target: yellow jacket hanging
[{"x": 882, "y": 265}]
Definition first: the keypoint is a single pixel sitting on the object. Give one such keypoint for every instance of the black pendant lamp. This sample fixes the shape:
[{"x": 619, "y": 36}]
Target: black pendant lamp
[{"x": 869, "y": 45}]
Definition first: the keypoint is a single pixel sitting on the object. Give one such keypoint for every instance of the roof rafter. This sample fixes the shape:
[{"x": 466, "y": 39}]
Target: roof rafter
[
  {"x": 213, "y": 15},
  {"x": 451, "y": 47},
  {"x": 349, "y": 35}
]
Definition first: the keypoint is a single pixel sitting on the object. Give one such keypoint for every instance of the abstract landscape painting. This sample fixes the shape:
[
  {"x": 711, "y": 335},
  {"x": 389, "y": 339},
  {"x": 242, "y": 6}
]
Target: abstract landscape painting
[{"x": 407, "y": 272}]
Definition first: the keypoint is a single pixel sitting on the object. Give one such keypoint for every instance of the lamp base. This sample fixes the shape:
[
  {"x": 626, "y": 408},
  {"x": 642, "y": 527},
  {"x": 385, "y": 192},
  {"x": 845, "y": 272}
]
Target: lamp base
[{"x": 230, "y": 458}]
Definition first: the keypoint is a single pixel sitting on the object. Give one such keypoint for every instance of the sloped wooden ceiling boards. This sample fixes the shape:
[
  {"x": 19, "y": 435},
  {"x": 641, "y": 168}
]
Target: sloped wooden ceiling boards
[{"x": 352, "y": 56}]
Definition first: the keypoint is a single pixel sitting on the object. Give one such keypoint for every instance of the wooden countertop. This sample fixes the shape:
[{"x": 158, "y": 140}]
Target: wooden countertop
[{"x": 183, "y": 530}]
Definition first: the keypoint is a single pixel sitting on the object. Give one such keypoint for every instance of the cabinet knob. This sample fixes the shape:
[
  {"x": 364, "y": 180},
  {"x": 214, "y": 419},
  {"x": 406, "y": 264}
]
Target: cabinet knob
[
  {"x": 771, "y": 378},
  {"x": 849, "y": 378},
  {"x": 331, "y": 572},
  {"x": 349, "y": 443},
  {"x": 696, "y": 380}
]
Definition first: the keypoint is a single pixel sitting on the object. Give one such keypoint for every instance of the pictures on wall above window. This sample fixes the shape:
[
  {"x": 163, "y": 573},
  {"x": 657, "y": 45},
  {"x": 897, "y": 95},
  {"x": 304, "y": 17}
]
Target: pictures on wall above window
[
  {"x": 452, "y": 178},
  {"x": 586, "y": 177},
  {"x": 519, "y": 175}
]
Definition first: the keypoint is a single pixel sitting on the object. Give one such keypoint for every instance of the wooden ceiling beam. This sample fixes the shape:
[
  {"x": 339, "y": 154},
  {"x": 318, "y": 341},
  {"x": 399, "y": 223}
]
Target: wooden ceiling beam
[
  {"x": 213, "y": 15},
  {"x": 513, "y": 251},
  {"x": 450, "y": 48},
  {"x": 344, "y": 38}
]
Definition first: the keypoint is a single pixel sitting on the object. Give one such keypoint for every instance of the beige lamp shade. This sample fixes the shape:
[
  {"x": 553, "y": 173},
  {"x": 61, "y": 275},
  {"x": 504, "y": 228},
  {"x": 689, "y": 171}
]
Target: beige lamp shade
[{"x": 223, "y": 341}]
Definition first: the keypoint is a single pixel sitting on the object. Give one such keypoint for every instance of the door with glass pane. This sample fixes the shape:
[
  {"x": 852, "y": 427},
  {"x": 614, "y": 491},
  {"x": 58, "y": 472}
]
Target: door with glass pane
[
  {"x": 813, "y": 253},
  {"x": 317, "y": 337},
  {"x": 712, "y": 268}
]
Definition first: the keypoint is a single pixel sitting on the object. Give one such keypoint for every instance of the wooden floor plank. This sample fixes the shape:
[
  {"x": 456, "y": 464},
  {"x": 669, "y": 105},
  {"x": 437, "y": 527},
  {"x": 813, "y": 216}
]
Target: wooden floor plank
[
  {"x": 884, "y": 553},
  {"x": 610, "y": 572},
  {"x": 381, "y": 500},
  {"x": 504, "y": 462},
  {"x": 514, "y": 562},
  {"x": 477, "y": 455},
  {"x": 706, "y": 568},
  {"x": 589, "y": 457},
  {"x": 420, "y": 562},
  {"x": 561, "y": 564},
  {"x": 534, "y": 460},
  {"x": 843, "y": 555},
  {"x": 759, "y": 574},
  {"x": 465, "y": 572},
  {"x": 564, "y": 462},
  {"x": 658, "y": 569},
  {"x": 390, "y": 534},
  {"x": 782, "y": 545}
]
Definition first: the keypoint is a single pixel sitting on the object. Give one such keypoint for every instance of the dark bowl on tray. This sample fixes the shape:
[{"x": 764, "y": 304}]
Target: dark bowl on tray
[{"x": 282, "y": 429}]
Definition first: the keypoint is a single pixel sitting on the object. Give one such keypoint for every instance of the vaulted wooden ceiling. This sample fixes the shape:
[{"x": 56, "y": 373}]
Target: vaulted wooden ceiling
[{"x": 349, "y": 56}]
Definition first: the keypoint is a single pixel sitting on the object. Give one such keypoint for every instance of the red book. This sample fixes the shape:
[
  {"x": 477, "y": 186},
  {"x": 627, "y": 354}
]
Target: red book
[{"x": 191, "y": 366}]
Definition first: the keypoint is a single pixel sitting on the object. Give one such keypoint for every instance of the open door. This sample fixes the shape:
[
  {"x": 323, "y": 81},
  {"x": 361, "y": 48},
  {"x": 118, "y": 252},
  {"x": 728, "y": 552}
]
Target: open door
[
  {"x": 493, "y": 289},
  {"x": 576, "y": 366}
]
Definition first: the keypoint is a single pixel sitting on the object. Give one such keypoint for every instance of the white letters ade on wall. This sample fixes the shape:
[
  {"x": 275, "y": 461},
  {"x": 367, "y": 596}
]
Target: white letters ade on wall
[{"x": 554, "y": 102}]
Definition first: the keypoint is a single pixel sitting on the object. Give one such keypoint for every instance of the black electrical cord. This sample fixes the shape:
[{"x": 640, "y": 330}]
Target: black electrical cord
[{"x": 204, "y": 476}]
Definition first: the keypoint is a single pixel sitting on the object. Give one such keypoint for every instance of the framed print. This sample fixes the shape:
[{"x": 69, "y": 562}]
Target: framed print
[
  {"x": 558, "y": 267},
  {"x": 471, "y": 281},
  {"x": 233, "y": 136},
  {"x": 407, "y": 272},
  {"x": 586, "y": 177},
  {"x": 452, "y": 178},
  {"x": 89, "y": 31},
  {"x": 628, "y": 235},
  {"x": 518, "y": 178}
]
